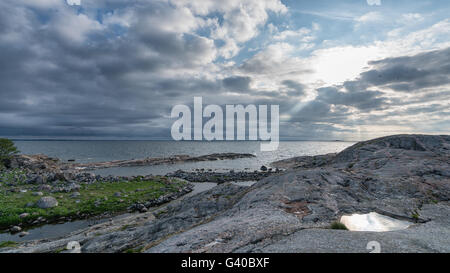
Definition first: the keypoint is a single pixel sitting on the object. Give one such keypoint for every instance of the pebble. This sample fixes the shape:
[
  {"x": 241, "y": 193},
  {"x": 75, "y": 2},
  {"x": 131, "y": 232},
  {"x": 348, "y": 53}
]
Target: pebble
[{"x": 23, "y": 233}]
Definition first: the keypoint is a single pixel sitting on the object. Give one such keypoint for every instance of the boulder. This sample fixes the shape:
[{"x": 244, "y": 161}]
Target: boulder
[
  {"x": 15, "y": 229},
  {"x": 40, "y": 179},
  {"x": 47, "y": 202}
]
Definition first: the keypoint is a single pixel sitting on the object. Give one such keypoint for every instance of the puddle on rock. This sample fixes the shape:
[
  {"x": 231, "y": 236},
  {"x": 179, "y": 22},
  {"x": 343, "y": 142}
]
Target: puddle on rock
[{"x": 373, "y": 222}]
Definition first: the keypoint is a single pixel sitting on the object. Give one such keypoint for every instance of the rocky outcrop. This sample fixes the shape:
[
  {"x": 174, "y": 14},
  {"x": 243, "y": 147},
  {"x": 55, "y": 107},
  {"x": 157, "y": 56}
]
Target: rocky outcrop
[
  {"x": 40, "y": 169},
  {"x": 34, "y": 163},
  {"x": 57, "y": 176},
  {"x": 158, "y": 161},
  {"x": 222, "y": 177},
  {"x": 404, "y": 177}
]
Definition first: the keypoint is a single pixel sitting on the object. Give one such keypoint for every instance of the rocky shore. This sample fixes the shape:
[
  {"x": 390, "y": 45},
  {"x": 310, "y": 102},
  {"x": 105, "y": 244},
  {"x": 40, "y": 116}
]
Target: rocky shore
[
  {"x": 221, "y": 177},
  {"x": 177, "y": 159},
  {"x": 404, "y": 177},
  {"x": 42, "y": 181},
  {"x": 40, "y": 169}
]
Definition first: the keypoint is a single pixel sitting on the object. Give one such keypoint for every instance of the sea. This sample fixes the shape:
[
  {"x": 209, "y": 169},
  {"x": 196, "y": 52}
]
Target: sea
[{"x": 83, "y": 151}]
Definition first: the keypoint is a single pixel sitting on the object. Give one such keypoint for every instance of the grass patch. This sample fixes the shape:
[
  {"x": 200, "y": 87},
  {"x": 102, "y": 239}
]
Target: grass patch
[
  {"x": 415, "y": 215},
  {"x": 94, "y": 199},
  {"x": 8, "y": 244},
  {"x": 338, "y": 225},
  {"x": 134, "y": 250}
]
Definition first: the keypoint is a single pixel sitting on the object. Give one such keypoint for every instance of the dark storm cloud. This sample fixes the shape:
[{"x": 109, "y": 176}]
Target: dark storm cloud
[
  {"x": 312, "y": 131},
  {"x": 363, "y": 100},
  {"x": 237, "y": 83},
  {"x": 412, "y": 73},
  {"x": 64, "y": 74},
  {"x": 294, "y": 88},
  {"x": 318, "y": 111}
]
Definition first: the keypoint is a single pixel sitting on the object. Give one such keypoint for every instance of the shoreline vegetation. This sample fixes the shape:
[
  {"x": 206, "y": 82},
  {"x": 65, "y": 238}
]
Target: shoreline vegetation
[
  {"x": 295, "y": 206},
  {"x": 25, "y": 206}
]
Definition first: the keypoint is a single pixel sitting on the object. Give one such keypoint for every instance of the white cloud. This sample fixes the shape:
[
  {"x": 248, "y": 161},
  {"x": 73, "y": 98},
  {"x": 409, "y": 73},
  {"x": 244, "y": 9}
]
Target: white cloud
[
  {"x": 123, "y": 18},
  {"x": 411, "y": 18},
  {"x": 301, "y": 34},
  {"x": 74, "y": 2},
  {"x": 42, "y": 4},
  {"x": 336, "y": 64},
  {"x": 373, "y": 16},
  {"x": 374, "y": 2},
  {"x": 274, "y": 60},
  {"x": 241, "y": 20},
  {"x": 406, "y": 21},
  {"x": 75, "y": 27}
]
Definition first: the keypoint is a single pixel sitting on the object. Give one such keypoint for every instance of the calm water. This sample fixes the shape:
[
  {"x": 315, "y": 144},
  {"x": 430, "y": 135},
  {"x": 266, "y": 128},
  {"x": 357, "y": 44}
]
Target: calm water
[{"x": 95, "y": 151}]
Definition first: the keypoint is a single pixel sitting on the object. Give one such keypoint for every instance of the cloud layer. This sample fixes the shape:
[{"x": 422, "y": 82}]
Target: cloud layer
[{"x": 116, "y": 68}]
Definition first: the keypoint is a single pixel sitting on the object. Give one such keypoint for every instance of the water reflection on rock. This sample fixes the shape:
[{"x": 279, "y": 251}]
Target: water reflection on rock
[{"x": 373, "y": 222}]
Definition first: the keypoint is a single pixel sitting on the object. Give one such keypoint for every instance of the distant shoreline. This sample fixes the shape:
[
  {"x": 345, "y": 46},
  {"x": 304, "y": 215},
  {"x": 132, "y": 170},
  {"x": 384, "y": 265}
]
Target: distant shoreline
[{"x": 168, "y": 140}]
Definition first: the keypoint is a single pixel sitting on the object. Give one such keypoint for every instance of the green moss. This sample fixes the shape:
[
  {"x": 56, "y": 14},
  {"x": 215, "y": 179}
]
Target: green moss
[
  {"x": 134, "y": 250},
  {"x": 94, "y": 199},
  {"x": 60, "y": 250},
  {"x": 338, "y": 225},
  {"x": 8, "y": 244},
  {"x": 160, "y": 212},
  {"x": 124, "y": 227}
]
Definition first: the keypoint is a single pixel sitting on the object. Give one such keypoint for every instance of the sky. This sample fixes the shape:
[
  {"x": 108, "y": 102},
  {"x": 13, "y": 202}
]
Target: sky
[{"x": 349, "y": 70}]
